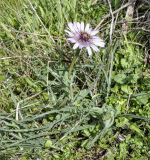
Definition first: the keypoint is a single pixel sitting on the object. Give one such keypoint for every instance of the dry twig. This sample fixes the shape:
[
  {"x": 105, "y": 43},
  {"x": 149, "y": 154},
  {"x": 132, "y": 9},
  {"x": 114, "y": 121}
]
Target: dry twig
[{"x": 109, "y": 14}]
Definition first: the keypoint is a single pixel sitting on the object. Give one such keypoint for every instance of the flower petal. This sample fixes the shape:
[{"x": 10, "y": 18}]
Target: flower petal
[
  {"x": 81, "y": 46},
  {"x": 70, "y": 34},
  {"x": 82, "y": 26},
  {"x": 78, "y": 26},
  {"x": 71, "y": 27},
  {"x": 87, "y": 27},
  {"x": 98, "y": 41},
  {"x": 89, "y": 51},
  {"x": 95, "y": 48},
  {"x": 72, "y": 40},
  {"x": 102, "y": 44},
  {"x": 94, "y": 32},
  {"x": 76, "y": 46}
]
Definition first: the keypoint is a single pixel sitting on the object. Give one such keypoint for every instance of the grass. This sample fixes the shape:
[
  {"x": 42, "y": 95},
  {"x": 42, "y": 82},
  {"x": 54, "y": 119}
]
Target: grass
[{"x": 97, "y": 108}]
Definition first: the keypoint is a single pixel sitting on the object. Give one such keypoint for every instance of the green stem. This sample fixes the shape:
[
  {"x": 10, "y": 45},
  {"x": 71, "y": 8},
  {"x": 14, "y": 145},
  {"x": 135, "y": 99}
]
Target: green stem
[{"x": 75, "y": 58}]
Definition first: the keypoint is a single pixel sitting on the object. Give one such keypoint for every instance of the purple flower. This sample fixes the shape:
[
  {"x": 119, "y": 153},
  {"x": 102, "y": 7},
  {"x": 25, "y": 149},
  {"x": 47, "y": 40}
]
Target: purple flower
[{"x": 84, "y": 37}]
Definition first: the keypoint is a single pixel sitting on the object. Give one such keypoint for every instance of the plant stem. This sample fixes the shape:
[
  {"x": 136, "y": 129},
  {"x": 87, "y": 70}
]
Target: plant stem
[{"x": 75, "y": 58}]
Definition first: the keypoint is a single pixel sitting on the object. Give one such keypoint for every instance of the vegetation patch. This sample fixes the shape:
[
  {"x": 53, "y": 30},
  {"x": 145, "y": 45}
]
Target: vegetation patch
[{"x": 61, "y": 103}]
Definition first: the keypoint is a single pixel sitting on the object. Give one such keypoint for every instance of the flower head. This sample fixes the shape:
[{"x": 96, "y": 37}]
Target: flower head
[{"x": 84, "y": 37}]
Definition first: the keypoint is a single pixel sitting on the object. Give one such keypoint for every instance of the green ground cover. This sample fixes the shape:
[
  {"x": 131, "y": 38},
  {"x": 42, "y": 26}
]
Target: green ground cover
[{"x": 99, "y": 110}]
